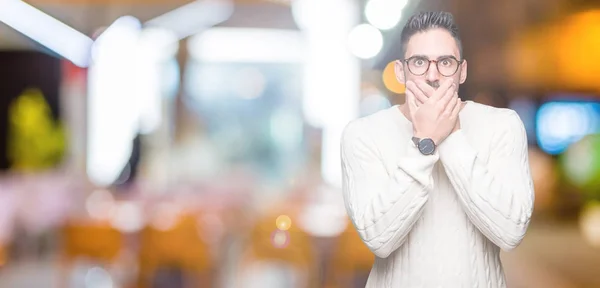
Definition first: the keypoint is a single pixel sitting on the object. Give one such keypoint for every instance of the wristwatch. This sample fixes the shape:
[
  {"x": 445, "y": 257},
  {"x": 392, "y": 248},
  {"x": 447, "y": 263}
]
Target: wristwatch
[{"x": 426, "y": 146}]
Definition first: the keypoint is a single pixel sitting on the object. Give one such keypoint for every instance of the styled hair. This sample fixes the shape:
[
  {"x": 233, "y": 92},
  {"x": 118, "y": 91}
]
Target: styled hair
[{"x": 428, "y": 20}]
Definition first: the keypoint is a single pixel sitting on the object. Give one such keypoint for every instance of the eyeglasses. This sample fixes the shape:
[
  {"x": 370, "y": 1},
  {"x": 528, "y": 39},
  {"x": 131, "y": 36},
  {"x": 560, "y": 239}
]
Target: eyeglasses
[{"x": 419, "y": 65}]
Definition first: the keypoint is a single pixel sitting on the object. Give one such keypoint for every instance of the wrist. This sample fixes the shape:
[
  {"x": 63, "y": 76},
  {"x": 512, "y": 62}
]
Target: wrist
[
  {"x": 425, "y": 145},
  {"x": 420, "y": 134}
]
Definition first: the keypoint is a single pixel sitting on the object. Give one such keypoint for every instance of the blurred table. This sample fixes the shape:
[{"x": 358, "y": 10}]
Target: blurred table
[{"x": 550, "y": 256}]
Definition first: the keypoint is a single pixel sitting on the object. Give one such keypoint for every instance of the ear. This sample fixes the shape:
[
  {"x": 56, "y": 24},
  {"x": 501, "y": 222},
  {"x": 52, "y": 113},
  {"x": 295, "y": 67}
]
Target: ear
[
  {"x": 399, "y": 71},
  {"x": 463, "y": 72}
]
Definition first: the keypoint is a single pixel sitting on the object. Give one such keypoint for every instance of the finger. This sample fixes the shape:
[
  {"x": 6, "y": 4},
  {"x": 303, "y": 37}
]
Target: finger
[
  {"x": 451, "y": 104},
  {"x": 418, "y": 93},
  {"x": 411, "y": 102},
  {"x": 448, "y": 96},
  {"x": 427, "y": 90},
  {"x": 441, "y": 91},
  {"x": 457, "y": 108}
]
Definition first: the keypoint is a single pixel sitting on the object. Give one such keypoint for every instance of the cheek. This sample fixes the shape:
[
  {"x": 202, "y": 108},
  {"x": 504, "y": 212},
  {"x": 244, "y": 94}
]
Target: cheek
[
  {"x": 411, "y": 77},
  {"x": 455, "y": 78}
]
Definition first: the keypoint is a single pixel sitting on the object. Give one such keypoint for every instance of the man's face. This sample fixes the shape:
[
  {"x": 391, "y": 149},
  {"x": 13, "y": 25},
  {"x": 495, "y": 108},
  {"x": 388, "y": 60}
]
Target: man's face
[{"x": 433, "y": 44}]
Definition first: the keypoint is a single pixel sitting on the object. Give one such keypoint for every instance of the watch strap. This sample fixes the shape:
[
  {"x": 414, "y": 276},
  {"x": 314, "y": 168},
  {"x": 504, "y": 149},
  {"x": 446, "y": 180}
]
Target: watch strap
[{"x": 416, "y": 141}]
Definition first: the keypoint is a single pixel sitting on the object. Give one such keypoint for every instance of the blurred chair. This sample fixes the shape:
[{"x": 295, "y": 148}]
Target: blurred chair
[
  {"x": 178, "y": 250},
  {"x": 95, "y": 241},
  {"x": 351, "y": 262},
  {"x": 284, "y": 258}
]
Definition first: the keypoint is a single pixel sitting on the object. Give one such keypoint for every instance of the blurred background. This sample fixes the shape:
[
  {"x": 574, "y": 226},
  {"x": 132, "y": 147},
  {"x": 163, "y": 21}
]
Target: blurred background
[{"x": 155, "y": 143}]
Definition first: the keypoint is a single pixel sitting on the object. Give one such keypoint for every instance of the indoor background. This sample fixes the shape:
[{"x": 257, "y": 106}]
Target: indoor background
[{"x": 155, "y": 143}]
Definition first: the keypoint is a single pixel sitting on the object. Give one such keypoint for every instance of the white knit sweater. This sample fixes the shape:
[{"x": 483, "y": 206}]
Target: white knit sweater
[{"x": 439, "y": 220}]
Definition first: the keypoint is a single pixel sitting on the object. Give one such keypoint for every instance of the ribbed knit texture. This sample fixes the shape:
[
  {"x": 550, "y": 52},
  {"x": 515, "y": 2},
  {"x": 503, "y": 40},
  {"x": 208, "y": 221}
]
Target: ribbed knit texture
[{"x": 438, "y": 220}]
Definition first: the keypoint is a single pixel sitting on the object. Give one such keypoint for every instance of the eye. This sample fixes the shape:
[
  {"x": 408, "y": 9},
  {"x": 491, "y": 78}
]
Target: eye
[
  {"x": 419, "y": 62},
  {"x": 446, "y": 62}
]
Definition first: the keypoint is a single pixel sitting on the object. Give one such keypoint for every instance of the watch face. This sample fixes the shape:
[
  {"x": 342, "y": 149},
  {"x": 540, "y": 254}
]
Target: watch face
[{"x": 426, "y": 146}]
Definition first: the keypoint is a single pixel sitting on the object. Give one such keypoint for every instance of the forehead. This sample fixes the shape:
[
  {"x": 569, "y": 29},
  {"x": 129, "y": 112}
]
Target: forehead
[{"x": 432, "y": 43}]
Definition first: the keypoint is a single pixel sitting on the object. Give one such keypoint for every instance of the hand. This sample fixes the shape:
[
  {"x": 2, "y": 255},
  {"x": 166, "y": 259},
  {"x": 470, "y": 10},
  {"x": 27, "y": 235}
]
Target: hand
[
  {"x": 437, "y": 117},
  {"x": 425, "y": 91}
]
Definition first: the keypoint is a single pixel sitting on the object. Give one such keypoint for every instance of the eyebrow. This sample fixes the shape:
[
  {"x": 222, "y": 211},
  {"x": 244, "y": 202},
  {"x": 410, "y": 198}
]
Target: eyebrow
[{"x": 438, "y": 58}]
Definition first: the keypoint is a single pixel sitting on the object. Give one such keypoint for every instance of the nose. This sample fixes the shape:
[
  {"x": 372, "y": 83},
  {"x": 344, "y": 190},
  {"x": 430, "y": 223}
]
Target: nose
[{"x": 432, "y": 73}]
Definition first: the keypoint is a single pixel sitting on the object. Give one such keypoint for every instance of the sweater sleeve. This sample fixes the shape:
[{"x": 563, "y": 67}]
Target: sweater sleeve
[
  {"x": 497, "y": 196},
  {"x": 383, "y": 205}
]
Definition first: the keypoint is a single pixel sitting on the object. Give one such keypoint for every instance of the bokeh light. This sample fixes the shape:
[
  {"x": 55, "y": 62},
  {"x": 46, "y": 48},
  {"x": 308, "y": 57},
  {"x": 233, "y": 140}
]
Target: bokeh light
[
  {"x": 581, "y": 163},
  {"x": 100, "y": 205},
  {"x": 98, "y": 278},
  {"x": 283, "y": 222},
  {"x": 390, "y": 80},
  {"x": 561, "y": 123},
  {"x": 128, "y": 217},
  {"x": 365, "y": 41},
  {"x": 589, "y": 223},
  {"x": 280, "y": 239},
  {"x": 165, "y": 216},
  {"x": 578, "y": 50},
  {"x": 384, "y": 14}
]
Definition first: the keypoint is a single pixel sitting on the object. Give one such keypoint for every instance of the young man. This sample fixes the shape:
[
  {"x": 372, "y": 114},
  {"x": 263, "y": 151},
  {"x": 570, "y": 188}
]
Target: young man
[{"x": 437, "y": 186}]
